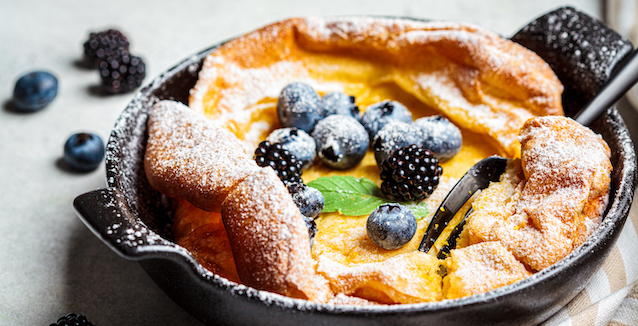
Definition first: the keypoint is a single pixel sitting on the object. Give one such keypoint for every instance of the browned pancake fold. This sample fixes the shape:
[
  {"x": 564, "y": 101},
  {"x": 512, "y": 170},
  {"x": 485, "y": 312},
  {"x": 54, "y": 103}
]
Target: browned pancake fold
[{"x": 482, "y": 82}]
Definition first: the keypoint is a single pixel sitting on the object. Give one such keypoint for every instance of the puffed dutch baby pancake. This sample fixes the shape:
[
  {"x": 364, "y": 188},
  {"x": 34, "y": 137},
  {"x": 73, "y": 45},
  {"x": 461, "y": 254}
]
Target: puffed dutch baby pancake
[{"x": 314, "y": 152}]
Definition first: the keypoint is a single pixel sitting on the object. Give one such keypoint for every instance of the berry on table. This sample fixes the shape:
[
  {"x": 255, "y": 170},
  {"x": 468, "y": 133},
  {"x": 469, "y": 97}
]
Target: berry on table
[
  {"x": 298, "y": 142},
  {"x": 104, "y": 44},
  {"x": 309, "y": 200},
  {"x": 84, "y": 151},
  {"x": 339, "y": 103},
  {"x": 299, "y": 106},
  {"x": 379, "y": 114},
  {"x": 342, "y": 141},
  {"x": 286, "y": 165},
  {"x": 410, "y": 173},
  {"x": 391, "y": 226},
  {"x": 72, "y": 320},
  {"x": 440, "y": 136},
  {"x": 34, "y": 91},
  {"x": 121, "y": 72}
]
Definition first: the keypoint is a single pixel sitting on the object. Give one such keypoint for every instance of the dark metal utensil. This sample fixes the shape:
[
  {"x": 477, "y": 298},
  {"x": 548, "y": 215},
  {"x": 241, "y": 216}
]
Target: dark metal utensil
[
  {"x": 477, "y": 177},
  {"x": 454, "y": 236},
  {"x": 625, "y": 77},
  {"x": 491, "y": 168}
]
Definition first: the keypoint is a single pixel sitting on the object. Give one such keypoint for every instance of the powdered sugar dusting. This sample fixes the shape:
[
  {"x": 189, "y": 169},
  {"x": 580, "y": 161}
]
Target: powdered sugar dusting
[
  {"x": 269, "y": 238},
  {"x": 480, "y": 268},
  {"x": 251, "y": 86},
  {"x": 543, "y": 218},
  {"x": 188, "y": 157},
  {"x": 442, "y": 88},
  {"x": 360, "y": 29},
  {"x": 410, "y": 277}
]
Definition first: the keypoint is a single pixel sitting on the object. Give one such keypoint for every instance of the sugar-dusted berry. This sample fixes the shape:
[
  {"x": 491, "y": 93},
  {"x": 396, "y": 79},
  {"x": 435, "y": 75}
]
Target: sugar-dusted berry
[
  {"x": 299, "y": 106},
  {"x": 342, "y": 141},
  {"x": 377, "y": 115},
  {"x": 391, "y": 226},
  {"x": 440, "y": 136}
]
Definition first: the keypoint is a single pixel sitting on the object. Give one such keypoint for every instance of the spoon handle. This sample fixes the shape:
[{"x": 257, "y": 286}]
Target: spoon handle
[{"x": 615, "y": 88}]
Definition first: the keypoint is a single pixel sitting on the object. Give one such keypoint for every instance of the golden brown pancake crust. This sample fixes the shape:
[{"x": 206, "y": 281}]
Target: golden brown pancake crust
[
  {"x": 204, "y": 235},
  {"x": 543, "y": 210},
  {"x": 480, "y": 268},
  {"x": 482, "y": 82},
  {"x": 269, "y": 239},
  {"x": 188, "y": 157}
]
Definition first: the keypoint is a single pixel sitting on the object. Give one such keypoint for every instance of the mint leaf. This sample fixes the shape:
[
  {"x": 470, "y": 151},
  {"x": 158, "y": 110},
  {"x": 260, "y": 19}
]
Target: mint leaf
[
  {"x": 351, "y": 196},
  {"x": 420, "y": 209},
  {"x": 348, "y": 195}
]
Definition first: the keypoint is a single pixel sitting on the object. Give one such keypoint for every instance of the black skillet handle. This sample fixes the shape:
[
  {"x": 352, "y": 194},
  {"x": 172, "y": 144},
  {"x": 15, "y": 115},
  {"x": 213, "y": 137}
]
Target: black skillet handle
[
  {"x": 618, "y": 85},
  {"x": 582, "y": 51},
  {"x": 107, "y": 214}
]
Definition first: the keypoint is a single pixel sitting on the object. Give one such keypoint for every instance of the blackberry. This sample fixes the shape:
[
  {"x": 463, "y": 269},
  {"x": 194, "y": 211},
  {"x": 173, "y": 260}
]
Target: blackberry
[
  {"x": 72, "y": 320},
  {"x": 104, "y": 44},
  {"x": 410, "y": 173},
  {"x": 287, "y": 166},
  {"x": 121, "y": 72}
]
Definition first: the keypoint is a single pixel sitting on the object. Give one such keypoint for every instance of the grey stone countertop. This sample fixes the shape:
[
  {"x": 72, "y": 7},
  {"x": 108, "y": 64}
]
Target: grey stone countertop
[{"x": 50, "y": 263}]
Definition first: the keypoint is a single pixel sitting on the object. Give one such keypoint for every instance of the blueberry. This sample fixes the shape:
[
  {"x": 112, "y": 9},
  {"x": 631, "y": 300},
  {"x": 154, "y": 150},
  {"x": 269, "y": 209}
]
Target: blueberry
[
  {"x": 34, "y": 91},
  {"x": 440, "y": 136},
  {"x": 297, "y": 142},
  {"x": 340, "y": 103},
  {"x": 309, "y": 200},
  {"x": 84, "y": 151},
  {"x": 312, "y": 228},
  {"x": 391, "y": 226},
  {"x": 392, "y": 136},
  {"x": 299, "y": 106},
  {"x": 378, "y": 115},
  {"x": 342, "y": 141}
]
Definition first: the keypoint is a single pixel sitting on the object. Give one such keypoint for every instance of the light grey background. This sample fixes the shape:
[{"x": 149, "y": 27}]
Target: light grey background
[{"x": 50, "y": 264}]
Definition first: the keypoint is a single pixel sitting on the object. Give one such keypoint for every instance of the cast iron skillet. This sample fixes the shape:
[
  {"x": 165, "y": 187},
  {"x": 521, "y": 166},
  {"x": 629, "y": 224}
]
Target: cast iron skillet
[{"x": 135, "y": 221}]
